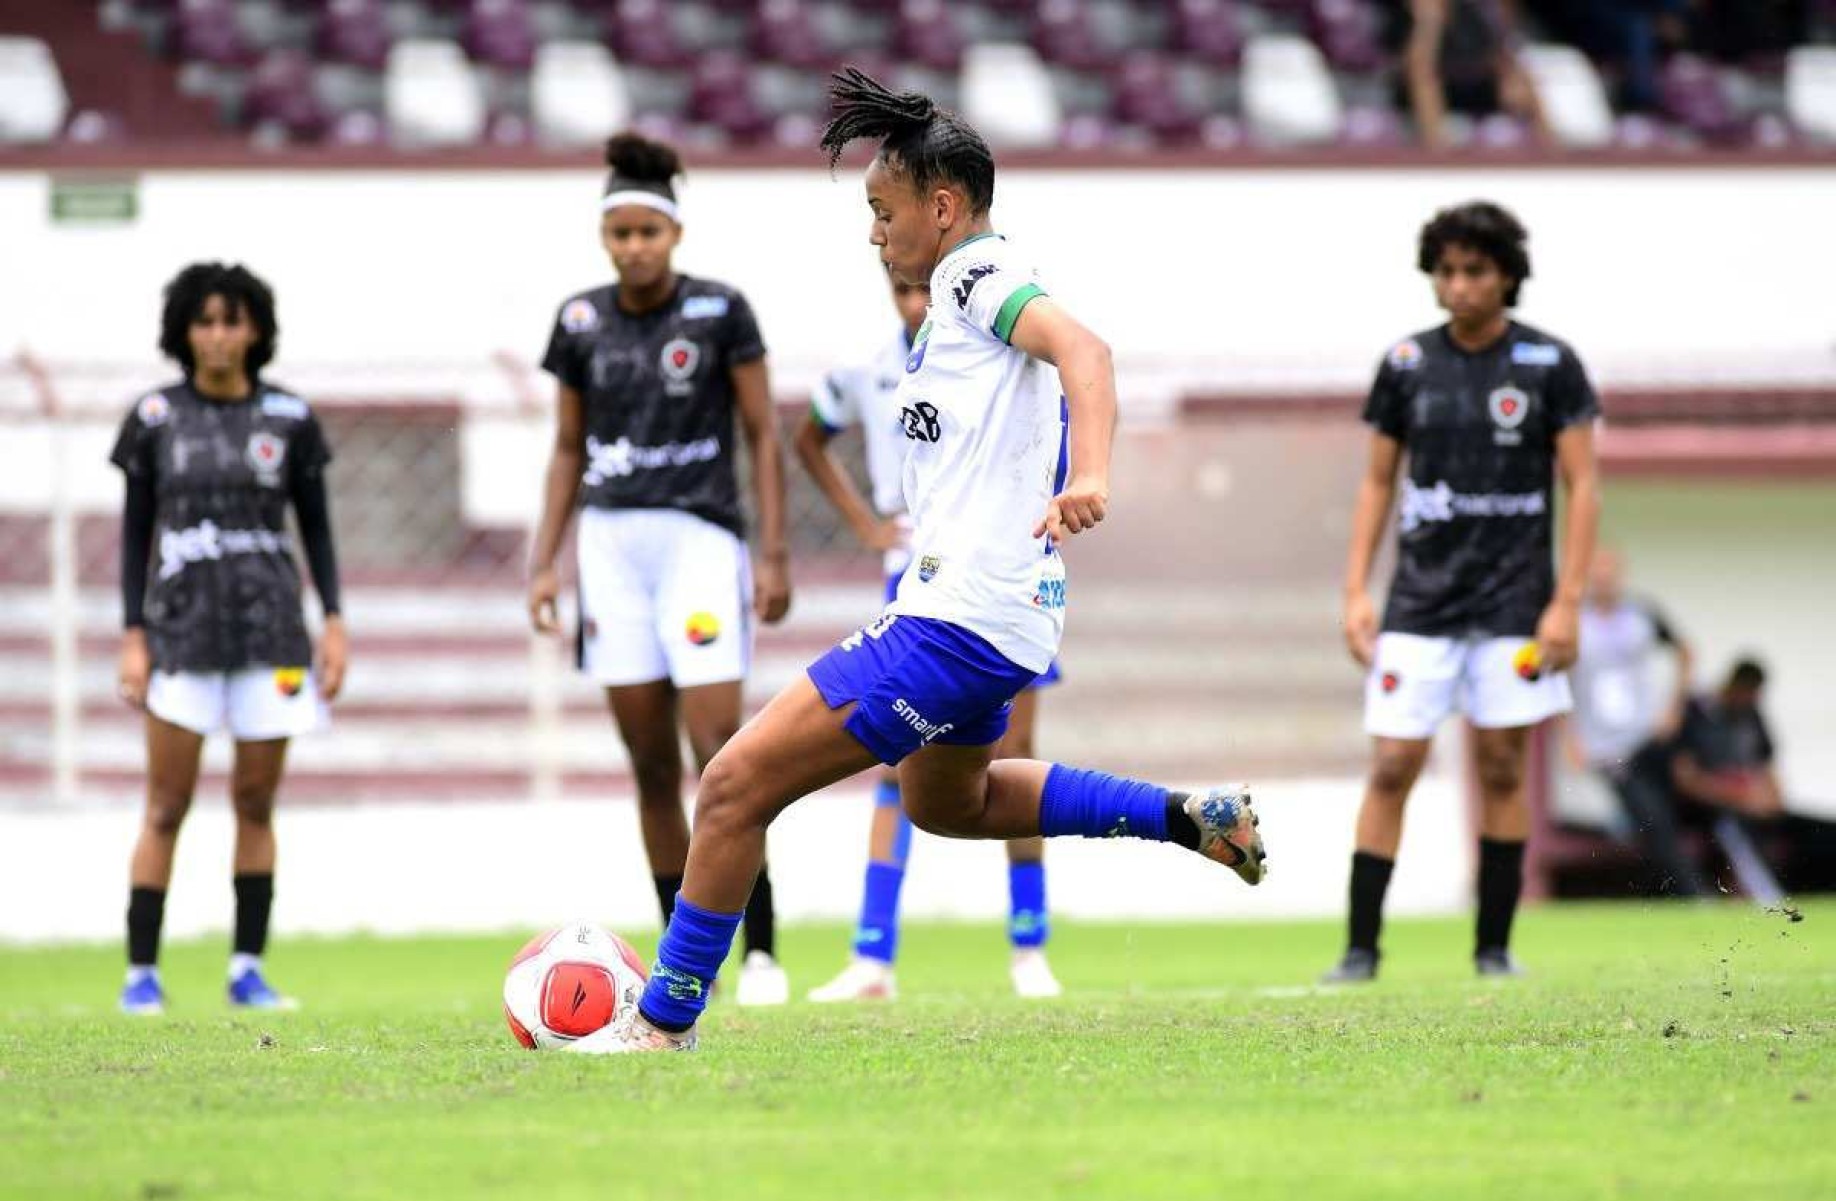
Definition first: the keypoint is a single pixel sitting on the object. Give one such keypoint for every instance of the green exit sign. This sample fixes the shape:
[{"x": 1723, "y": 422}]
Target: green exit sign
[{"x": 91, "y": 201}]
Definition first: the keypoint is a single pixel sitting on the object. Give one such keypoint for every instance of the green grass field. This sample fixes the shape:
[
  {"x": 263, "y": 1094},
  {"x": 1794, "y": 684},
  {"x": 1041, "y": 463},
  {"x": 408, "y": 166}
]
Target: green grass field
[{"x": 1659, "y": 1051}]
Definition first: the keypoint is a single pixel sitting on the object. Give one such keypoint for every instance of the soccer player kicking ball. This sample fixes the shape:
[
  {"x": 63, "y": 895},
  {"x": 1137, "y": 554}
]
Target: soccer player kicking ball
[
  {"x": 928, "y": 685},
  {"x": 1488, "y": 410}
]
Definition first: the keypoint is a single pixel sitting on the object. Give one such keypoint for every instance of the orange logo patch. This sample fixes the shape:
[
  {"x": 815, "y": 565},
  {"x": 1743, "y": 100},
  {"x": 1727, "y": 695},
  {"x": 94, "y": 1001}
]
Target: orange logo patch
[
  {"x": 1528, "y": 661},
  {"x": 289, "y": 680},
  {"x": 703, "y": 628}
]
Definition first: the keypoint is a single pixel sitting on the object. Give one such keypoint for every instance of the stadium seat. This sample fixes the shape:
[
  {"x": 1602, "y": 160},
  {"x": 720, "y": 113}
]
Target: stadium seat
[
  {"x": 1349, "y": 33},
  {"x": 1288, "y": 93},
  {"x": 207, "y": 32},
  {"x": 500, "y": 33},
  {"x": 355, "y": 32},
  {"x": 1574, "y": 99},
  {"x": 1064, "y": 35},
  {"x": 787, "y": 32},
  {"x": 431, "y": 94},
  {"x": 33, "y": 101},
  {"x": 926, "y": 34},
  {"x": 577, "y": 96},
  {"x": 1810, "y": 90},
  {"x": 643, "y": 33},
  {"x": 1007, "y": 95},
  {"x": 281, "y": 98},
  {"x": 722, "y": 96},
  {"x": 1692, "y": 93},
  {"x": 1149, "y": 95},
  {"x": 1210, "y": 31}
]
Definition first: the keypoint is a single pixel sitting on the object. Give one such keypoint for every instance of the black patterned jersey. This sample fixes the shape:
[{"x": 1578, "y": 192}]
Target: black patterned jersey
[
  {"x": 658, "y": 396},
  {"x": 223, "y": 589},
  {"x": 1474, "y": 512}
]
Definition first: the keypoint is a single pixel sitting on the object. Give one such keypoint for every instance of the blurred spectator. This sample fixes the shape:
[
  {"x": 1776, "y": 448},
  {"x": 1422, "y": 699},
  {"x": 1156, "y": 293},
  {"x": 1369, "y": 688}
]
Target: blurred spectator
[
  {"x": 1628, "y": 37},
  {"x": 1736, "y": 30},
  {"x": 1460, "y": 56},
  {"x": 1623, "y": 723},
  {"x": 1723, "y": 772}
]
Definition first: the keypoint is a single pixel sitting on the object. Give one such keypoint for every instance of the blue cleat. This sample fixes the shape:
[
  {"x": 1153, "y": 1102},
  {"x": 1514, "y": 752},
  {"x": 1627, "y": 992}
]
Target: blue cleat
[
  {"x": 251, "y": 991},
  {"x": 143, "y": 997},
  {"x": 1227, "y": 830}
]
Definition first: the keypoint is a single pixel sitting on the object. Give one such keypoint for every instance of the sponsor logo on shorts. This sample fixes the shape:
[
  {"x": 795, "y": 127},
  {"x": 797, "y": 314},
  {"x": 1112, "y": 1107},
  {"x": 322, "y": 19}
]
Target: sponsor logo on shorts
[
  {"x": 703, "y": 628},
  {"x": 1389, "y": 681},
  {"x": 154, "y": 410},
  {"x": 266, "y": 453},
  {"x": 927, "y": 729},
  {"x": 194, "y": 544},
  {"x": 289, "y": 680},
  {"x": 928, "y": 567},
  {"x": 616, "y": 460},
  {"x": 1419, "y": 506},
  {"x": 875, "y": 629},
  {"x": 1528, "y": 662},
  {"x": 704, "y": 306},
  {"x": 579, "y": 316}
]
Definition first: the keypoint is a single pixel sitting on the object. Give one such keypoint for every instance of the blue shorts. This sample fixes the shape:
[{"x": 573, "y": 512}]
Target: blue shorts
[
  {"x": 919, "y": 681},
  {"x": 1045, "y": 679}
]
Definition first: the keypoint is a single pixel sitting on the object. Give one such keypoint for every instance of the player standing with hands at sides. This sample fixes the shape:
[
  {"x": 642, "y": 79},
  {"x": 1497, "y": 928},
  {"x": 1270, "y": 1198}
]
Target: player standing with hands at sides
[
  {"x": 213, "y": 633},
  {"x": 651, "y": 372},
  {"x": 1487, "y": 410},
  {"x": 867, "y": 395},
  {"x": 929, "y": 684}
]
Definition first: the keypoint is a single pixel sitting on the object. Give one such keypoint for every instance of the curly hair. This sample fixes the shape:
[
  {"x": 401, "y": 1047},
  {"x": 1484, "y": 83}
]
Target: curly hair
[
  {"x": 930, "y": 145},
  {"x": 1483, "y": 227},
  {"x": 643, "y": 162},
  {"x": 242, "y": 291}
]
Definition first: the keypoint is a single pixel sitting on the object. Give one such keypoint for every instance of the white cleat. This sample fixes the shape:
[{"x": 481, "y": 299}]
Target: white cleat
[
  {"x": 1227, "y": 830},
  {"x": 632, "y": 1036},
  {"x": 1032, "y": 976},
  {"x": 862, "y": 980},
  {"x": 761, "y": 981}
]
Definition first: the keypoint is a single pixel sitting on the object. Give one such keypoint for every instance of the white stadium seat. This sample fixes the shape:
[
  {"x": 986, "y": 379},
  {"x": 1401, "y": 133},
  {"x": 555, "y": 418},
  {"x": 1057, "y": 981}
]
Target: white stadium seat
[
  {"x": 32, "y": 97},
  {"x": 1810, "y": 90},
  {"x": 1007, "y": 95},
  {"x": 1573, "y": 98},
  {"x": 432, "y": 95},
  {"x": 1288, "y": 93},
  {"x": 577, "y": 94}
]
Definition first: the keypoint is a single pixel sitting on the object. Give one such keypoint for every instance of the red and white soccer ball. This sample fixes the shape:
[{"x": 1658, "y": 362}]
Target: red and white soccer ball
[{"x": 568, "y": 983}]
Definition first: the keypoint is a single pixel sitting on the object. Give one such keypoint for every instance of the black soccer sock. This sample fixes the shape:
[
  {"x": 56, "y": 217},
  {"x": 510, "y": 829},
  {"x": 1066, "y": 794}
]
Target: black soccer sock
[
  {"x": 761, "y": 917},
  {"x": 254, "y": 902},
  {"x": 1501, "y": 879},
  {"x": 1370, "y": 879},
  {"x": 146, "y": 913},
  {"x": 667, "y": 888},
  {"x": 1181, "y": 830}
]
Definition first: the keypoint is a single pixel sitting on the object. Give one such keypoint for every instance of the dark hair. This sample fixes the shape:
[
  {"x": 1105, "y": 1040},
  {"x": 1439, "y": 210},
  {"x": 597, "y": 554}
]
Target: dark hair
[
  {"x": 639, "y": 163},
  {"x": 1747, "y": 672},
  {"x": 931, "y": 145},
  {"x": 241, "y": 289},
  {"x": 1483, "y": 227}
]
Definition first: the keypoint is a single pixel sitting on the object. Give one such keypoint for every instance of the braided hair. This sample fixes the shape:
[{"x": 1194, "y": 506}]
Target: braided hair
[{"x": 931, "y": 145}]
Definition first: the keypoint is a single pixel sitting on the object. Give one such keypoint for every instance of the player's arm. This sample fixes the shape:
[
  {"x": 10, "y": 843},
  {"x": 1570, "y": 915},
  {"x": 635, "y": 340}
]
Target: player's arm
[
  {"x": 135, "y": 666},
  {"x": 560, "y": 487},
  {"x": 1376, "y": 492},
  {"x": 1422, "y": 69},
  {"x": 1558, "y": 633},
  {"x": 313, "y": 511},
  {"x": 1087, "y": 371},
  {"x": 812, "y": 444},
  {"x": 752, "y": 388}
]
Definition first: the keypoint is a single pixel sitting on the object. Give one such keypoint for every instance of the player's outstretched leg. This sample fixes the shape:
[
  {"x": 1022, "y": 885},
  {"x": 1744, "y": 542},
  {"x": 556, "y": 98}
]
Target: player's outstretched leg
[{"x": 869, "y": 974}]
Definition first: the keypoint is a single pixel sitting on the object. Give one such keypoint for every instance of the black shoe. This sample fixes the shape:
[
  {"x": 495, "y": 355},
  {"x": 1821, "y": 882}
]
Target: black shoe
[
  {"x": 1497, "y": 961},
  {"x": 1358, "y": 967}
]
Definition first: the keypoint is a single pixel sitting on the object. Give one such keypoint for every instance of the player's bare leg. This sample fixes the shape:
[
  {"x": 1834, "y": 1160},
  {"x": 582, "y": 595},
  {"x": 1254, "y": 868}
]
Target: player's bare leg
[
  {"x": 1396, "y": 763},
  {"x": 173, "y": 755},
  {"x": 255, "y": 778},
  {"x": 1499, "y": 760}
]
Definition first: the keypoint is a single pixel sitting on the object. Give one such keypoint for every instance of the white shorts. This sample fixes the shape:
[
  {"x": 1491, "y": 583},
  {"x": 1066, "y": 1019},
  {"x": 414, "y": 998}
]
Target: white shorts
[
  {"x": 663, "y": 595},
  {"x": 1416, "y": 681},
  {"x": 255, "y": 704}
]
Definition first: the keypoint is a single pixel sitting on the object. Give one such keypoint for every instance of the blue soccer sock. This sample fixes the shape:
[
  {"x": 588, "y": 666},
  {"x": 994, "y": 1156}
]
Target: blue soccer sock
[
  {"x": 689, "y": 957},
  {"x": 877, "y": 936},
  {"x": 1095, "y": 805},
  {"x": 1027, "y": 926}
]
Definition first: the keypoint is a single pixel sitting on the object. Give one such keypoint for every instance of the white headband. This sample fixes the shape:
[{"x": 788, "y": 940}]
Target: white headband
[{"x": 649, "y": 200}]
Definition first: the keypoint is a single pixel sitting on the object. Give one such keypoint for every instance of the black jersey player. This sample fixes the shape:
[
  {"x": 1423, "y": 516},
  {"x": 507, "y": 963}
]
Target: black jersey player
[
  {"x": 652, "y": 372},
  {"x": 214, "y": 635},
  {"x": 1485, "y": 412}
]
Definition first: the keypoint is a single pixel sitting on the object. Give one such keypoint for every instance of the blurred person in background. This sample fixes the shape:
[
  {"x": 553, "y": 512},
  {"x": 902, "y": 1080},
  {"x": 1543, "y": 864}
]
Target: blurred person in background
[
  {"x": 1623, "y": 724},
  {"x": 1489, "y": 412},
  {"x": 214, "y": 637},
  {"x": 866, "y": 395},
  {"x": 652, "y": 371},
  {"x": 1627, "y": 37},
  {"x": 1460, "y": 57},
  {"x": 1725, "y": 778}
]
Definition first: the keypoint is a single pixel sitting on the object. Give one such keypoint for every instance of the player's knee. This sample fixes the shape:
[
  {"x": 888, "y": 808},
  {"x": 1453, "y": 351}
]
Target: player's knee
[
  {"x": 659, "y": 780},
  {"x": 1501, "y": 774},
  {"x": 944, "y": 818},
  {"x": 253, "y": 803},
  {"x": 1393, "y": 773},
  {"x": 729, "y": 797},
  {"x": 166, "y": 813}
]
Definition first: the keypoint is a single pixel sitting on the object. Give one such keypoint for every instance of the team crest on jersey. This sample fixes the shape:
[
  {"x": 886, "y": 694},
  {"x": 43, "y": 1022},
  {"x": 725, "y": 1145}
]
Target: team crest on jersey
[
  {"x": 579, "y": 316},
  {"x": 679, "y": 359},
  {"x": 702, "y": 629},
  {"x": 154, "y": 410},
  {"x": 266, "y": 453},
  {"x": 1406, "y": 355},
  {"x": 915, "y": 360},
  {"x": 1509, "y": 406},
  {"x": 928, "y": 567}
]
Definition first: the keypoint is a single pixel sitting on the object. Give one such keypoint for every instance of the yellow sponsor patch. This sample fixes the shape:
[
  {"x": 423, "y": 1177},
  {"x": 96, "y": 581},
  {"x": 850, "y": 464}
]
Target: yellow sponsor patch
[{"x": 289, "y": 680}]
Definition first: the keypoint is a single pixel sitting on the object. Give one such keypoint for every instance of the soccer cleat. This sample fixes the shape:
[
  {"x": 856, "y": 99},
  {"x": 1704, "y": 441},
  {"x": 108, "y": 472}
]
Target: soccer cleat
[
  {"x": 631, "y": 1036},
  {"x": 251, "y": 991},
  {"x": 1358, "y": 967},
  {"x": 1497, "y": 962},
  {"x": 761, "y": 981},
  {"x": 862, "y": 980},
  {"x": 1227, "y": 830},
  {"x": 1032, "y": 975},
  {"x": 143, "y": 997}
]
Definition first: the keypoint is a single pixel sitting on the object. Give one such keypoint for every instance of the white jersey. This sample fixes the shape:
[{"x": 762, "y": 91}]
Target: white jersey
[
  {"x": 866, "y": 395},
  {"x": 985, "y": 431}
]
